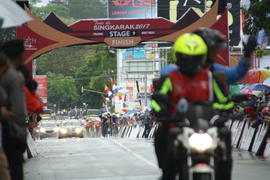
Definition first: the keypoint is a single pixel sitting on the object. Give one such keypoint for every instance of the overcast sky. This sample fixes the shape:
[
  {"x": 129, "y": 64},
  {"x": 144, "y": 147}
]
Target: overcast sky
[{"x": 42, "y": 3}]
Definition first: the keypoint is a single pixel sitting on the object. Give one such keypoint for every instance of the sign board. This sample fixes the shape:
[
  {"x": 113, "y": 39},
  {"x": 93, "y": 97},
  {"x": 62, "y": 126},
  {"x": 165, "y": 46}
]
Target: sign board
[
  {"x": 141, "y": 95},
  {"x": 184, "y": 5},
  {"x": 42, "y": 87},
  {"x": 134, "y": 53},
  {"x": 233, "y": 7},
  {"x": 121, "y": 32},
  {"x": 42, "y": 37},
  {"x": 132, "y": 8}
]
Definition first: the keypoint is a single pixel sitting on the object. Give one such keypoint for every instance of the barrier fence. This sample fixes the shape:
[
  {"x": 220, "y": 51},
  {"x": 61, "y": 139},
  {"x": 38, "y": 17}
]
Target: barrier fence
[{"x": 244, "y": 136}]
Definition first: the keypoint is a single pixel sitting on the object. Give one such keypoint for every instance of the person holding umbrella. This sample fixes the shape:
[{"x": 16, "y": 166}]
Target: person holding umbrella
[{"x": 12, "y": 14}]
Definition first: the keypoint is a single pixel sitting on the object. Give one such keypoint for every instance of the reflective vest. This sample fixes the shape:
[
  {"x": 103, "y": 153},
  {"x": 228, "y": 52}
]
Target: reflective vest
[
  {"x": 87, "y": 124},
  {"x": 200, "y": 88},
  {"x": 197, "y": 88}
]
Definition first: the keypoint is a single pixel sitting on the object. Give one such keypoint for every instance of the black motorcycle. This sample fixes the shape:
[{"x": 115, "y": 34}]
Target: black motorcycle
[{"x": 198, "y": 142}]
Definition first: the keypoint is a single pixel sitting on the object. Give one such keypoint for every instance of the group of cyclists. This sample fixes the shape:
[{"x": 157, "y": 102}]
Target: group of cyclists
[{"x": 108, "y": 124}]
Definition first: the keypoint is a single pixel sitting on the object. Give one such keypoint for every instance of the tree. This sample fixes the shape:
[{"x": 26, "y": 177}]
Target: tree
[
  {"x": 60, "y": 10},
  {"x": 94, "y": 74},
  {"x": 257, "y": 17},
  {"x": 85, "y": 9},
  {"x": 64, "y": 60},
  {"x": 87, "y": 65},
  {"x": 61, "y": 90}
]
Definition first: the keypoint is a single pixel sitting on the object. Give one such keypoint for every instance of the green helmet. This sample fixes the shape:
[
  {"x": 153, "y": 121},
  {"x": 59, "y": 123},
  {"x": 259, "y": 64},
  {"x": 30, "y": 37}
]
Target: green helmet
[
  {"x": 190, "y": 44},
  {"x": 190, "y": 53}
]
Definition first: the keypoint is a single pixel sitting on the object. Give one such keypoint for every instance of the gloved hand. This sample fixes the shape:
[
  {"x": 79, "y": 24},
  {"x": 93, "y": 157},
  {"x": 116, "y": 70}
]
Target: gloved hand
[
  {"x": 164, "y": 103},
  {"x": 250, "y": 46}
]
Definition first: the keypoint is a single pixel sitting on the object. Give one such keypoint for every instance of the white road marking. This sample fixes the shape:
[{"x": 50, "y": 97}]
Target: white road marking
[{"x": 134, "y": 154}]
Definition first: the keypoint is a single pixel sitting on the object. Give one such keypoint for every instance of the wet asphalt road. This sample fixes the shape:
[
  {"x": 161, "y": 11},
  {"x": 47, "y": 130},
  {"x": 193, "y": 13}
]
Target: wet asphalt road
[{"x": 116, "y": 159}]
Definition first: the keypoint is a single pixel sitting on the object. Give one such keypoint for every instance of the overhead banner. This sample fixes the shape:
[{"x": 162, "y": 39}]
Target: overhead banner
[
  {"x": 233, "y": 7},
  {"x": 184, "y": 5},
  {"x": 120, "y": 32},
  {"x": 134, "y": 53},
  {"x": 41, "y": 37},
  {"x": 132, "y": 8}
]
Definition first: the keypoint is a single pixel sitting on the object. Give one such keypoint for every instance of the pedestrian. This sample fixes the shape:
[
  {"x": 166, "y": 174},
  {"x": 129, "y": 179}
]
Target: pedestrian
[
  {"x": 5, "y": 115},
  {"x": 14, "y": 130},
  {"x": 87, "y": 127},
  {"x": 147, "y": 126}
]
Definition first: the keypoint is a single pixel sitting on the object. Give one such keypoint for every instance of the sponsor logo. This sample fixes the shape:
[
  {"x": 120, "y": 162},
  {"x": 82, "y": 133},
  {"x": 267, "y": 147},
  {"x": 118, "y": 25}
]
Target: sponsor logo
[
  {"x": 121, "y": 3},
  {"x": 135, "y": 3},
  {"x": 30, "y": 43}
]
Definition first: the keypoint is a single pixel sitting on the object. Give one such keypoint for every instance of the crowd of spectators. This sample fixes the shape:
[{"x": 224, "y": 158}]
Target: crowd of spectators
[
  {"x": 144, "y": 119},
  {"x": 256, "y": 110},
  {"x": 20, "y": 107}
]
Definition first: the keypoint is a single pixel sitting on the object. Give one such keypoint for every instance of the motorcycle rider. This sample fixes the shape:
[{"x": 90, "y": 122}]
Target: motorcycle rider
[
  {"x": 192, "y": 81},
  {"x": 215, "y": 42}
]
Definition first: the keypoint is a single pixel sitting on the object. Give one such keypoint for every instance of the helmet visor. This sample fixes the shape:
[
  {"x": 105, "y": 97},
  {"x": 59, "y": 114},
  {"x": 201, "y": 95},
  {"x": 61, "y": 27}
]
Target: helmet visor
[{"x": 189, "y": 65}]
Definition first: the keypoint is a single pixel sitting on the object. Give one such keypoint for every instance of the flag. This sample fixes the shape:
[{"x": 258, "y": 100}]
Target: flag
[
  {"x": 107, "y": 90},
  {"x": 125, "y": 99},
  {"x": 114, "y": 88},
  {"x": 118, "y": 94}
]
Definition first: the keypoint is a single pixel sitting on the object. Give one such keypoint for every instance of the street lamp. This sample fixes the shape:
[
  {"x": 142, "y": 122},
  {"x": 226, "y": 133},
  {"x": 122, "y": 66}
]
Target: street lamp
[
  {"x": 98, "y": 92},
  {"x": 90, "y": 90}
]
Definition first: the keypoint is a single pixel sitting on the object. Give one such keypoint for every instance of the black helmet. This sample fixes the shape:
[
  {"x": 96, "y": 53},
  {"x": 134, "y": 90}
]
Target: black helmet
[{"x": 213, "y": 38}]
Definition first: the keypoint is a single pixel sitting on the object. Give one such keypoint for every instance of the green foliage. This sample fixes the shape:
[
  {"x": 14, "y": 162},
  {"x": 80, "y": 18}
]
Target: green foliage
[
  {"x": 7, "y": 34},
  {"x": 89, "y": 66},
  {"x": 63, "y": 60},
  {"x": 60, "y": 11},
  {"x": 95, "y": 73},
  {"x": 61, "y": 90},
  {"x": 257, "y": 17},
  {"x": 262, "y": 52},
  {"x": 83, "y": 9},
  {"x": 70, "y": 68}
]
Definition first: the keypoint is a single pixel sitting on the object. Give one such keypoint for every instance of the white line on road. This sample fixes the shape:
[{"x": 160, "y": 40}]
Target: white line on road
[{"x": 134, "y": 154}]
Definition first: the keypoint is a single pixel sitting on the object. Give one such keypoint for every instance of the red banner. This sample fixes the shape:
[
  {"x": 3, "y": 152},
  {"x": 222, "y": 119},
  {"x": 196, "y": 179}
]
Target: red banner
[
  {"x": 42, "y": 87},
  {"x": 132, "y": 8},
  {"x": 100, "y": 29},
  {"x": 222, "y": 26},
  {"x": 42, "y": 37}
]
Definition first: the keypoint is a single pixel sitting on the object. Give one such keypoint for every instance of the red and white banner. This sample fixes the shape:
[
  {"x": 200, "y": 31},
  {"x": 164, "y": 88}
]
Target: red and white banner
[{"x": 42, "y": 87}]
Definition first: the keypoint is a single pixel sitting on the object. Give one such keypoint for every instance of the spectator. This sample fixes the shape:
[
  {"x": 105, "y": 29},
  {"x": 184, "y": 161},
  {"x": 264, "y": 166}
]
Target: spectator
[
  {"x": 87, "y": 127},
  {"x": 147, "y": 125},
  {"x": 14, "y": 130},
  {"x": 4, "y": 115}
]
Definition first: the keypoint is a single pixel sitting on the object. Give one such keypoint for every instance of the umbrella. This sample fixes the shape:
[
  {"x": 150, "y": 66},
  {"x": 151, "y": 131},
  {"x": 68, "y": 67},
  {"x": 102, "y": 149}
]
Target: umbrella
[
  {"x": 256, "y": 76},
  {"x": 267, "y": 81},
  {"x": 248, "y": 91},
  {"x": 12, "y": 14},
  {"x": 256, "y": 87}
]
